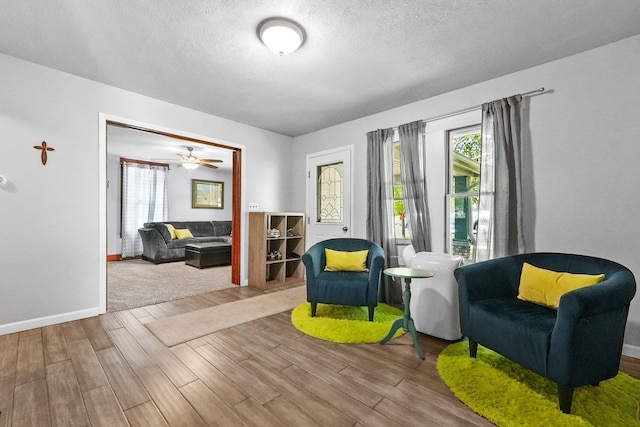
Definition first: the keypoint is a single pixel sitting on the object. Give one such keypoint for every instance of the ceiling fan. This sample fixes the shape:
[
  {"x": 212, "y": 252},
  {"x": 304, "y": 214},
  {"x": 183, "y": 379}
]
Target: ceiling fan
[{"x": 190, "y": 161}]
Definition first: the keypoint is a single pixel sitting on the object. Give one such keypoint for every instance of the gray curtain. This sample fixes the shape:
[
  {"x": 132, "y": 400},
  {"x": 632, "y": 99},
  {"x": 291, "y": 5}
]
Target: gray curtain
[
  {"x": 380, "y": 206},
  {"x": 500, "y": 230},
  {"x": 412, "y": 159}
]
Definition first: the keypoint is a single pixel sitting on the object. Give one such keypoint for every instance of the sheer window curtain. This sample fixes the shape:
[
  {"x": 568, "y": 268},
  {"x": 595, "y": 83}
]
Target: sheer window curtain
[
  {"x": 414, "y": 185},
  {"x": 380, "y": 206},
  {"x": 144, "y": 199},
  {"x": 500, "y": 230}
]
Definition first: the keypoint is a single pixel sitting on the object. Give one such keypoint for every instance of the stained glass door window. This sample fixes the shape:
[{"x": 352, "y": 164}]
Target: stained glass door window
[{"x": 330, "y": 193}]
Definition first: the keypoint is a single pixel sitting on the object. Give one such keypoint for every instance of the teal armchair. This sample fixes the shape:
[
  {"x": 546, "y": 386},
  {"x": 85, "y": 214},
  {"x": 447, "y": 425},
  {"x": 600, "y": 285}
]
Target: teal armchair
[
  {"x": 576, "y": 345},
  {"x": 342, "y": 287}
]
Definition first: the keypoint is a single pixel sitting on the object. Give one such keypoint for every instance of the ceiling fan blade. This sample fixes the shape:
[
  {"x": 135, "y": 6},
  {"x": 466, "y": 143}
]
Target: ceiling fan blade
[
  {"x": 211, "y": 160},
  {"x": 208, "y": 166}
]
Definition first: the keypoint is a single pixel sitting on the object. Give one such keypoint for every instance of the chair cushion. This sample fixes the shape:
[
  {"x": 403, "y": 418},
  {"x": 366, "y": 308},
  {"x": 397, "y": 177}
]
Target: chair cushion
[
  {"x": 346, "y": 261},
  {"x": 545, "y": 287},
  {"x": 342, "y": 287}
]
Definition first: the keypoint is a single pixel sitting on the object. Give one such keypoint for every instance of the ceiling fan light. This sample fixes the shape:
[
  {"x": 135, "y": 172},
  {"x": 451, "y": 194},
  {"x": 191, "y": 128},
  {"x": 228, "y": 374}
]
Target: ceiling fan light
[
  {"x": 190, "y": 165},
  {"x": 281, "y": 35}
]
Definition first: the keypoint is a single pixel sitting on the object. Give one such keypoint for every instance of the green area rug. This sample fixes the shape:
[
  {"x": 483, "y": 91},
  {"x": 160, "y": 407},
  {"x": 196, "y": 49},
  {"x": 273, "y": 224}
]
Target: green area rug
[
  {"x": 345, "y": 324},
  {"x": 509, "y": 395}
]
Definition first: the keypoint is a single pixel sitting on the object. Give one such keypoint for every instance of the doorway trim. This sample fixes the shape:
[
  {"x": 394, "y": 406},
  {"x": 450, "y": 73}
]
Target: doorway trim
[{"x": 238, "y": 179}]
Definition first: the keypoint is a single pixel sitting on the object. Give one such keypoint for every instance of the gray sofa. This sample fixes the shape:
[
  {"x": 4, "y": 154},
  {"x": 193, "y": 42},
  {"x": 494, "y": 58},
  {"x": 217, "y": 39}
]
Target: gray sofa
[{"x": 158, "y": 246}]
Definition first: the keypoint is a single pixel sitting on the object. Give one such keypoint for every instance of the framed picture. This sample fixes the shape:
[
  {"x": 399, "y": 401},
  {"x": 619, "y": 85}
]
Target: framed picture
[{"x": 207, "y": 194}]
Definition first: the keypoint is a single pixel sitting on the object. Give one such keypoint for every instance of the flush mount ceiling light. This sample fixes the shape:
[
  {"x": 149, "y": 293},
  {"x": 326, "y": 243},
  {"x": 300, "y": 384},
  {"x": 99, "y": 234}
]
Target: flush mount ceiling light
[{"x": 281, "y": 35}]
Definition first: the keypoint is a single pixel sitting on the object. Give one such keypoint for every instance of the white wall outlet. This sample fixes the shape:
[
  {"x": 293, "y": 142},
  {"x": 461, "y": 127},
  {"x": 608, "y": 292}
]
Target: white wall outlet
[{"x": 253, "y": 206}]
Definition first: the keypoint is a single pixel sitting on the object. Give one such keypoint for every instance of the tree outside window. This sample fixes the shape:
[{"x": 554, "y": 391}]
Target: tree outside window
[{"x": 464, "y": 181}]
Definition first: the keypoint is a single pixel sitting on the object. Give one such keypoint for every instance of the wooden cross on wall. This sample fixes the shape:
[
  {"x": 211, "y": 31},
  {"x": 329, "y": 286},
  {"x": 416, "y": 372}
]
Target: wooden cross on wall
[{"x": 44, "y": 149}]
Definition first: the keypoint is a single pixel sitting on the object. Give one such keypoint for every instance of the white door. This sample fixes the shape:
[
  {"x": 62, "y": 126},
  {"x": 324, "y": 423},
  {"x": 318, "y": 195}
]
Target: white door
[{"x": 329, "y": 194}]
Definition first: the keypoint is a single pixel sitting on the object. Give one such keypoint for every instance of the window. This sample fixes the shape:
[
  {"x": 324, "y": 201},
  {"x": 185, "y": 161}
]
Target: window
[
  {"x": 330, "y": 193},
  {"x": 400, "y": 220},
  {"x": 144, "y": 192},
  {"x": 465, "y": 148}
]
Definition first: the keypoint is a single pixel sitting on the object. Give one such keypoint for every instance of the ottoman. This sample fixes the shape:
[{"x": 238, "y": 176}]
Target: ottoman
[{"x": 210, "y": 254}]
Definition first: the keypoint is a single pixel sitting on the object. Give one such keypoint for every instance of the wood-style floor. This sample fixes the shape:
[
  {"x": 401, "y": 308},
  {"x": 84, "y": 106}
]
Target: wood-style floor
[{"x": 111, "y": 371}]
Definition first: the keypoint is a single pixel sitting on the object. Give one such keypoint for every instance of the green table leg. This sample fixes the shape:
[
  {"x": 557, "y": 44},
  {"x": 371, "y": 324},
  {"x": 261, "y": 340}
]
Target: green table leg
[{"x": 406, "y": 323}]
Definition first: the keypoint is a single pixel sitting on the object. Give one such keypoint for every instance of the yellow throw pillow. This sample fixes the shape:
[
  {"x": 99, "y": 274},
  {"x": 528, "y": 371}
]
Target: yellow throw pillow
[
  {"x": 183, "y": 233},
  {"x": 172, "y": 230},
  {"x": 546, "y": 286},
  {"x": 346, "y": 261}
]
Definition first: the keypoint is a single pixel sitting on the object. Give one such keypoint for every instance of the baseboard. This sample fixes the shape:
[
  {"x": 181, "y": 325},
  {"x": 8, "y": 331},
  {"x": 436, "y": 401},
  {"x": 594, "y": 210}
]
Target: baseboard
[
  {"x": 40, "y": 322},
  {"x": 631, "y": 351},
  {"x": 114, "y": 257}
]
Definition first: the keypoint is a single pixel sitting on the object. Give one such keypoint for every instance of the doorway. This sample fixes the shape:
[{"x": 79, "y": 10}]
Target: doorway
[
  {"x": 233, "y": 157},
  {"x": 329, "y": 194}
]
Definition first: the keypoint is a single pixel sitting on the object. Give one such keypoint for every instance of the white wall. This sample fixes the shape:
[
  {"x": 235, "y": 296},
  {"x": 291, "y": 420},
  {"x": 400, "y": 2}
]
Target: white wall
[
  {"x": 180, "y": 195},
  {"x": 581, "y": 167},
  {"x": 50, "y": 263}
]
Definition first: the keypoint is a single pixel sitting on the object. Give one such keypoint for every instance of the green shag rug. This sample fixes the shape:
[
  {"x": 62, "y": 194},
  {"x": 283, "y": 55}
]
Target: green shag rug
[
  {"x": 346, "y": 324},
  {"x": 509, "y": 395}
]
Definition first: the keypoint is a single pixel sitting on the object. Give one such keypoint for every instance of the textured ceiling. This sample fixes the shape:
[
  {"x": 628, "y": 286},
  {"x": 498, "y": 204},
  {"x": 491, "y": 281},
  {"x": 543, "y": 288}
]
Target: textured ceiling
[{"x": 360, "y": 57}]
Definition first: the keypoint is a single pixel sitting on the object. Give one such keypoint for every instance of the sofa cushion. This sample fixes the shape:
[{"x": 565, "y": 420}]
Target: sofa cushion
[
  {"x": 162, "y": 228},
  {"x": 172, "y": 231},
  {"x": 183, "y": 234},
  {"x": 545, "y": 287},
  {"x": 221, "y": 228},
  {"x": 200, "y": 228},
  {"x": 518, "y": 330}
]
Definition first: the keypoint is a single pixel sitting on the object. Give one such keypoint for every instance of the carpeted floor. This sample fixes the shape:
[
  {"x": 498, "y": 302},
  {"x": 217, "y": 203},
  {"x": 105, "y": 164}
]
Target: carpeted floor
[{"x": 136, "y": 283}]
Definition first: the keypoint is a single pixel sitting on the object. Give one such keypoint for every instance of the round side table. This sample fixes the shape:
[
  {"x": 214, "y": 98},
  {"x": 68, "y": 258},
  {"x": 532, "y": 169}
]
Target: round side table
[{"x": 406, "y": 322}]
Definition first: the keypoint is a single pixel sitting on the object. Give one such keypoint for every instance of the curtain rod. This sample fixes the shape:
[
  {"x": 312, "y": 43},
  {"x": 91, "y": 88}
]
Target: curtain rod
[{"x": 467, "y": 110}]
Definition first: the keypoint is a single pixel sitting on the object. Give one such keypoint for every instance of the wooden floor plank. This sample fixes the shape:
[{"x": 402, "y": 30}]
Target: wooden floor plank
[
  {"x": 87, "y": 366},
  {"x": 217, "y": 382},
  {"x": 31, "y": 404},
  {"x": 171, "y": 365},
  {"x": 246, "y": 380},
  {"x": 8, "y": 354},
  {"x": 344, "y": 384},
  {"x": 134, "y": 354},
  {"x": 254, "y": 414},
  {"x": 97, "y": 335},
  {"x": 337, "y": 398},
  {"x": 213, "y": 410},
  {"x": 133, "y": 325},
  {"x": 321, "y": 411},
  {"x": 229, "y": 347},
  {"x": 145, "y": 415},
  {"x": 173, "y": 406},
  {"x": 103, "y": 408},
  {"x": 65, "y": 399},
  {"x": 55, "y": 344},
  {"x": 30, "y": 362},
  {"x": 7, "y": 387},
  {"x": 73, "y": 331},
  {"x": 126, "y": 386},
  {"x": 290, "y": 414}
]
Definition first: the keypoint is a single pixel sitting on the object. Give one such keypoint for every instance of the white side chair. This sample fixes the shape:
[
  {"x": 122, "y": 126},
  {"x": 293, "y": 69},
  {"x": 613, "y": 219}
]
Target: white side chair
[{"x": 434, "y": 301}]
